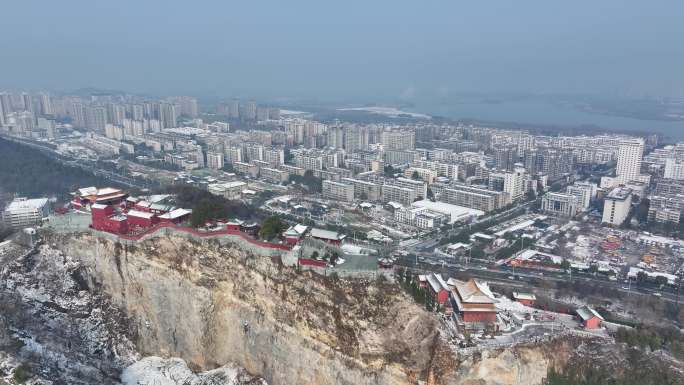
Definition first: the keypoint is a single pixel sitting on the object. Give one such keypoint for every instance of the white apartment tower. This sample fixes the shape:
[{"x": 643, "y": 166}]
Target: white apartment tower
[
  {"x": 674, "y": 169},
  {"x": 167, "y": 115},
  {"x": 617, "y": 205},
  {"x": 630, "y": 153},
  {"x": 514, "y": 183}
]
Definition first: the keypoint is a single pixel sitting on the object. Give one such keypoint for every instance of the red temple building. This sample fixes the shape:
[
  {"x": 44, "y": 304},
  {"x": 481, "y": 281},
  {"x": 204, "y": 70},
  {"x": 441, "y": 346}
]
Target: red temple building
[
  {"x": 474, "y": 302},
  {"x": 234, "y": 225},
  {"x": 294, "y": 234},
  {"x": 105, "y": 219},
  {"x": 86, "y": 197},
  {"x": 438, "y": 288},
  {"x": 141, "y": 219}
]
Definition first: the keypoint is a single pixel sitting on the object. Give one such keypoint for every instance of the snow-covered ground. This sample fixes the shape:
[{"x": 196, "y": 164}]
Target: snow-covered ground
[
  {"x": 293, "y": 112},
  {"x": 387, "y": 111},
  {"x": 350, "y": 248},
  {"x": 174, "y": 371}
]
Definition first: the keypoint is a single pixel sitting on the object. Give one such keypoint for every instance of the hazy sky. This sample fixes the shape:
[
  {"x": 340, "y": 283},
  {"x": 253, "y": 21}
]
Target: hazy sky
[{"x": 345, "y": 49}]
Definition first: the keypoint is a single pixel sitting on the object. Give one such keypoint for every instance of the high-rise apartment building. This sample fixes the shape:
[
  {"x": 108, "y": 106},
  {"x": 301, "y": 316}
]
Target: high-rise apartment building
[
  {"x": 398, "y": 140},
  {"x": 336, "y": 137},
  {"x": 96, "y": 118},
  {"x": 505, "y": 157},
  {"x": 511, "y": 182},
  {"x": 187, "y": 106},
  {"x": 356, "y": 138},
  {"x": 275, "y": 156},
  {"x": 45, "y": 104},
  {"x": 136, "y": 112},
  {"x": 585, "y": 191},
  {"x": 77, "y": 112},
  {"x": 233, "y": 155},
  {"x": 262, "y": 113},
  {"x": 167, "y": 115},
  {"x": 215, "y": 160},
  {"x": 250, "y": 110},
  {"x": 116, "y": 114},
  {"x": 617, "y": 205},
  {"x": 630, "y": 153},
  {"x": 674, "y": 169},
  {"x": 6, "y": 103},
  {"x": 28, "y": 102}
]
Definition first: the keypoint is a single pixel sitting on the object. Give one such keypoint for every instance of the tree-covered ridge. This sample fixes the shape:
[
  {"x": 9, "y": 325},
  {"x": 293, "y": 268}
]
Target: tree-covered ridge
[
  {"x": 29, "y": 172},
  {"x": 206, "y": 206}
]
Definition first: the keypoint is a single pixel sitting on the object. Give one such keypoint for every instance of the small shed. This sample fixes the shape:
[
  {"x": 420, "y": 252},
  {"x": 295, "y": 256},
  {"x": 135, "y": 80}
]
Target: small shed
[
  {"x": 589, "y": 317},
  {"x": 526, "y": 299}
]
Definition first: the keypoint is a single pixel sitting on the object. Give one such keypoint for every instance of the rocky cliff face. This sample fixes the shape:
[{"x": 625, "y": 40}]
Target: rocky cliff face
[
  {"x": 514, "y": 366},
  {"x": 54, "y": 327},
  {"x": 85, "y": 308},
  {"x": 210, "y": 305}
]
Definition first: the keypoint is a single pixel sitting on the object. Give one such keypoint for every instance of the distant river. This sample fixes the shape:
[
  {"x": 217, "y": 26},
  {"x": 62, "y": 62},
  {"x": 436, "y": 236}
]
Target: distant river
[{"x": 548, "y": 113}]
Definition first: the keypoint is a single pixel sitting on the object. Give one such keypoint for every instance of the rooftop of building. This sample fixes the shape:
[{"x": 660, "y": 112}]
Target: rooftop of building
[
  {"x": 26, "y": 204},
  {"x": 586, "y": 313},
  {"x": 473, "y": 292},
  {"x": 326, "y": 234},
  {"x": 455, "y": 212},
  {"x": 175, "y": 214},
  {"x": 524, "y": 296},
  {"x": 436, "y": 282},
  {"x": 619, "y": 193},
  {"x": 139, "y": 214}
]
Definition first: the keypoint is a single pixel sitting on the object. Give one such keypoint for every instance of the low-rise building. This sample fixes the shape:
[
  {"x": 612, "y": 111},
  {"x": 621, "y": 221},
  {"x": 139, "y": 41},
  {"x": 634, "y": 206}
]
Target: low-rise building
[
  {"x": 364, "y": 190},
  {"x": 421, "y": 217},
  {"x": 526, "y": 299},
  {"x": 273, "y": 175},
  {"x": 589, "y": 317},
  {"x": 228, "y": 190},
  {"x": 438, "y": 288},
  {"x": 562, "y": 204},
  {"x": 666, "y": 208},
  {"x": 338, "y": 191},
  {"x": 394, "y": 193},
  {"x": 331, "y": 237},
  {"x": 475, "y": 197},
  {"x": 424, "y": 174},
  {"x": 246, "y": 168},
  {"x": 23, "y": 212}
]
